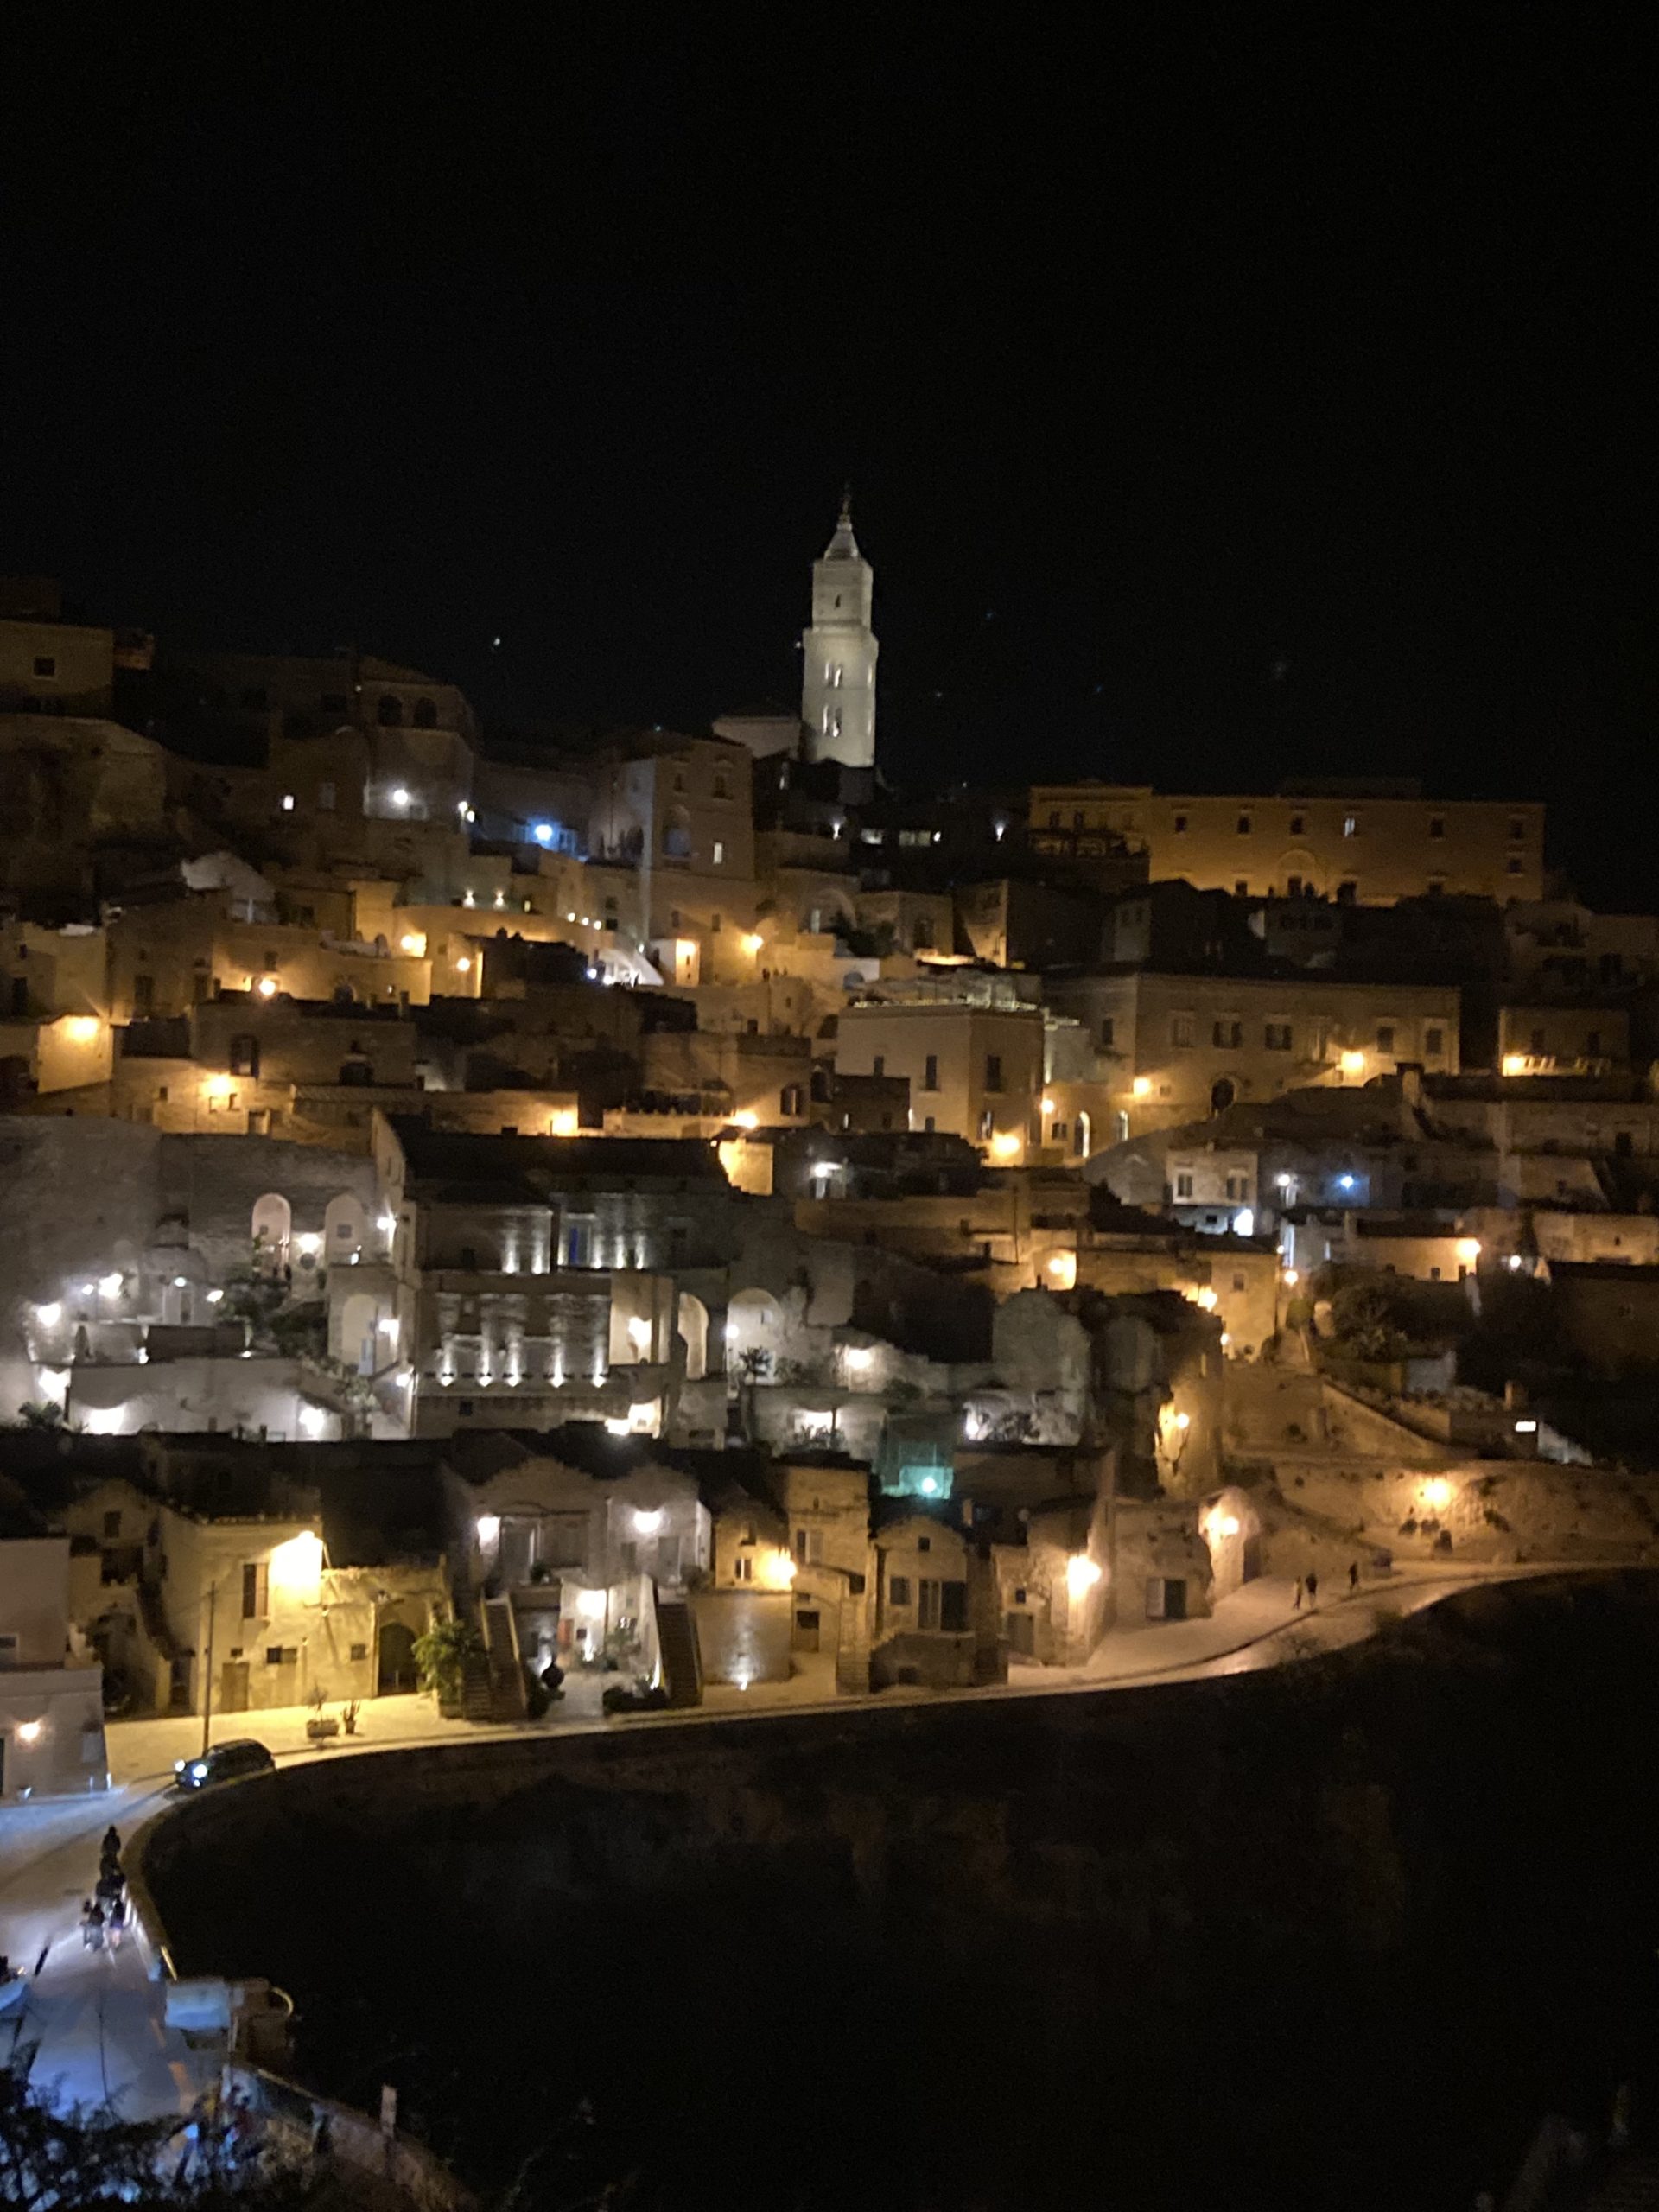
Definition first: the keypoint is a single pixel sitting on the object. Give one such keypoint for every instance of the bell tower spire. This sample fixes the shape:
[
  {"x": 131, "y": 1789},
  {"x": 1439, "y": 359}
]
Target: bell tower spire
[{"x": 838, "y": 652}]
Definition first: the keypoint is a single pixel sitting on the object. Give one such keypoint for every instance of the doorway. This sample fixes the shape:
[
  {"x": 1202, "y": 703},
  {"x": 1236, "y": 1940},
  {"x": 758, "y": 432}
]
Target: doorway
[
  {"x": 395, "y": 1668},
  {"x": 1022, "y": 1634},
  {"x": 233, "y": 1685},
  {"x": 805, "y": 1635},
  {"x": 1222, "y": 1091}
]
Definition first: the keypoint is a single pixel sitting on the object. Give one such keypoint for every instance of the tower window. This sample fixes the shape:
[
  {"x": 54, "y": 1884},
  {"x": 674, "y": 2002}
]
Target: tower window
[
  {"x": 1243, "y": 825},
  {"x": 834, "y": 674}
]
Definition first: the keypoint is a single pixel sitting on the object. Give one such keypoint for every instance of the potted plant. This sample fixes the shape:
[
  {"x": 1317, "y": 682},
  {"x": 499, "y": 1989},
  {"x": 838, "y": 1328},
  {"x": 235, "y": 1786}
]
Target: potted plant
[{"x": 320, "y": 1726}]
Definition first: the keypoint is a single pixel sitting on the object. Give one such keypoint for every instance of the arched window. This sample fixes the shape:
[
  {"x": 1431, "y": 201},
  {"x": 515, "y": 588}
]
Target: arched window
[
  {"x": 426, "y": 714},
  {"x": 722, "y": 789},
  {"x": 390, "y": 714},
  {"x": 676, "y": 835}
]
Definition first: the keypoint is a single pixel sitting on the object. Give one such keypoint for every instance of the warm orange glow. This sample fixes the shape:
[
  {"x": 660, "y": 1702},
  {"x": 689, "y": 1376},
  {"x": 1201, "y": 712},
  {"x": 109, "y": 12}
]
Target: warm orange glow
[
  {"x": 1080, "y": 1575},
  {"x": 1048, "y": 1105},
  {"x": 1514, "y": 1063},
  {"x": 774, "y": 1570},
  {"x": 266, "y": 986},
  {"x": 463, "y": 964},
  {"x": 562, "y": 1121},
  {"x": 747, "y": 1120},
  {"x": 412, "y": 942},
  {"x": 1468, "y": 1250},
  {"x": 1005, "y": 1145},
  {"x": 1062, "y": 1270},
  {"x": 1141, "y": 1086},
  {"x": 1353, "y": 1063},
  {"x": 297, "y": 1567},
  {"x": 218, "y": 1086},
  {"x": 83, "y": 1028},
  {"x": 753, "y": 942}
]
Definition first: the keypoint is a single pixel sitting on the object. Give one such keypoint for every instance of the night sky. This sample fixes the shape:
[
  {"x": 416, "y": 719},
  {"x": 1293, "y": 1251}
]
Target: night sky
[{"x": 1263, "y": 395}]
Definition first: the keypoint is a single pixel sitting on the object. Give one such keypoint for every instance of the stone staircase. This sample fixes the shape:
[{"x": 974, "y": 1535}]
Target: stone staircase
[
  {"x": 492, "y": 1681},
  {"x": 676, "y": 1638}
]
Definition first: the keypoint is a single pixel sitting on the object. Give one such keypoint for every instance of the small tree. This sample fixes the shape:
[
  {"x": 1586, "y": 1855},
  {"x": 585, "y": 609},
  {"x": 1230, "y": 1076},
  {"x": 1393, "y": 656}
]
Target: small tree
[{"x": 441, "y": 1654}]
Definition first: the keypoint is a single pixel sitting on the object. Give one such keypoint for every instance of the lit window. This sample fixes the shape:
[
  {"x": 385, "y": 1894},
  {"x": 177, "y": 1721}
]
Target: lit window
[
  {"x": 288, "y": 802},
  {"x": 719, "y": 852},
  {"x": 1351, "y": 825}
]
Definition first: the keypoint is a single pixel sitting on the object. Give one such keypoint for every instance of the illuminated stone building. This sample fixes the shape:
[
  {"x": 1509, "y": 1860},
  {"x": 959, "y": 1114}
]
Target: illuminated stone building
[{"x": 1367, "y": 844}]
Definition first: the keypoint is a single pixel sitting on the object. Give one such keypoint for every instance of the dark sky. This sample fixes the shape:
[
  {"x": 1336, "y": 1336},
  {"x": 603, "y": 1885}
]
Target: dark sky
[{"x": 1234, "y": 394}]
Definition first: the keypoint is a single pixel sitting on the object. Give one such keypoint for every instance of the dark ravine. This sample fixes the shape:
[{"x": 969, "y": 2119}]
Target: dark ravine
[{"x": 1332, "y": 1935}]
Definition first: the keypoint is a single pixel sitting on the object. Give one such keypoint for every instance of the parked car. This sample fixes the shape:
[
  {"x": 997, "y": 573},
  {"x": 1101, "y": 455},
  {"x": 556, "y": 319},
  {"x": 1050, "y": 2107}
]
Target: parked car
[{"x": 225, "y": 1763}]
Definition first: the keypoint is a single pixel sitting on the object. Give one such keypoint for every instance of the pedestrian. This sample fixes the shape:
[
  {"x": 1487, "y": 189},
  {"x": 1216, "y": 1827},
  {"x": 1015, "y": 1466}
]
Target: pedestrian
[
  {"x": 112, "y": 1845},
  {"x": 116, "y": 1920},
  {"x": 1353, "y": 1579},
  {"x": 92, "y": 1926},
  {"x": 1296, "y": 1603},
  {"x": 1312, "y": 1589}
]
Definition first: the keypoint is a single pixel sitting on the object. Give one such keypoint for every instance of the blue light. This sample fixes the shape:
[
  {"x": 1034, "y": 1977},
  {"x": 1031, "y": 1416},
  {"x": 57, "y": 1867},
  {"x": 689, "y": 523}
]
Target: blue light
[
  {"x": 1345, "y": 1182},
  {"x": 542, "y": 832},
  {"x": 930, "y": 1485}
]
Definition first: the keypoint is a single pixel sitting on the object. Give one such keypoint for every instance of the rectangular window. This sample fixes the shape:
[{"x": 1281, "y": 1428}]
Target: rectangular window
[
  {"x": 1516, "y": 865},
  {"x": 1180, "y": 825},
  {"x": 1240, "y": 889},
  {"x": 1437, "y": 825},
  {"x": 1298, "y": 824},
  {"x": 1183, "y": 1186},
  {"x": 111, "y": 1528},
  {"x": 1385, "y": 1036},
  {"x": 325, "y": 798},
  {"x": 1276, "y": 1035},
  {"x": 1593, "y": 1041},
  {"x": 993, "y": 1071},
  {"x": 743, "y": 1568},
  {"x": 359, "y": 1651},
  {"x": 1183, "y": 1029},
  {"x": 898, "y": 1590},
  {"x": 1107, "y": 1034},
  {"x": 281, "y": 1655},
  {"x": 255, "y": 1590},
  {"x": 927, "y": 1605},
  {"x": 719, "y": 851},
  {"x": 1517, "y": 829},
  {"x": 1347, "y": 892},
  {"x": 244, "y": 1056},
  {"x": 931, "y": 1072},
  {"x": 1351, "y": 825},
  {"x": 1227, "y": 1034},
  {"x": 879, "y": 1065},
  {"x": 953, "y": 1608},
  {"x": 45, "y": 664},
  {"x": 578, "y": 1244},
  {"x": 987, "y": 1123},
  {"x": 1243, "y": 825},
  {"x": 1434, "y": 1043},
  {"x": 1293, "y": 887}
]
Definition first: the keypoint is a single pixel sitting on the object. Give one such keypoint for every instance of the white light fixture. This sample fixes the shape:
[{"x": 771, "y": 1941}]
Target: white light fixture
[
  {"x": 313, "y": 1420},
  {"x": 214, "y": 1297},
  {"x": 488, "y": 1526},
  {"x": 399, "y": 794},
  {"x": 110, "y": 1285},
  {"x": 543, "y": 832},
  {"x": 288, "y": 802},
  {"x": 1080, "y": 1575},
  {"x": 648, "y": 1520},
  {"x": 50, "y": 1314},
  {"x": 28, "y": 1731},
  {"x": 639, "y": 1332}
]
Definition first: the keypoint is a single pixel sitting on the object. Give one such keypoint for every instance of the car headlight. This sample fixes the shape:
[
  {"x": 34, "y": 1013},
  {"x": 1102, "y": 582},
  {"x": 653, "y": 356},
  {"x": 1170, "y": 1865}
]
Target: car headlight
[
  {"x": 178, "y": 1766},
  {"x": 200, "y": 1771}
]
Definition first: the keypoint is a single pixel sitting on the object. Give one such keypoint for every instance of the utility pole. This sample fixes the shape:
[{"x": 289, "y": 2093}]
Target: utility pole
[{"x": 207, "y": 1678}]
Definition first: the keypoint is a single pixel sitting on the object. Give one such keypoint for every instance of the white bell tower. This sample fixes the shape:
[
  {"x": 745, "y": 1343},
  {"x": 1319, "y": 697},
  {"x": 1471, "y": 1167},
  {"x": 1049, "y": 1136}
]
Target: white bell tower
[{"x": 838, "y": 654}]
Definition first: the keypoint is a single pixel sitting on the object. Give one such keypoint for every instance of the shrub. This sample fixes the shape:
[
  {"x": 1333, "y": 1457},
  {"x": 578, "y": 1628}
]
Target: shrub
[{"x": 441, "y": 1654}]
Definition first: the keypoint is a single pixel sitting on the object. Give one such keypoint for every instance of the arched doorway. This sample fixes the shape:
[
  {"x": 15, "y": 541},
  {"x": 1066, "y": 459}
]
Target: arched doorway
[
  {"x": 272, "y": 1225},
  {"x": 694, "y": 1334},
  {"x": 1084, "y": 1133},
  {"x": 1222, "y": 1091},
  {"x": 355, "y": 1345},
  {"x": 396, "y": 1669},
  {"x": 751, "y": 1327}
]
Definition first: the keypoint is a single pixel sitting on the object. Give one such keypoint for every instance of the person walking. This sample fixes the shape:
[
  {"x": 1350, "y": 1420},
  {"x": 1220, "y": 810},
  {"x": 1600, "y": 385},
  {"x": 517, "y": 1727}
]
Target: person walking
[
  {"x": 1312, "y": 1589},
  {"x": 1296, "y": 1602},
  {"x": 1353, "y": 1579},
  {"x": 92, "y": 1926}
]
